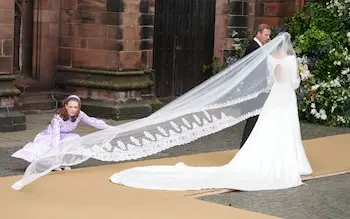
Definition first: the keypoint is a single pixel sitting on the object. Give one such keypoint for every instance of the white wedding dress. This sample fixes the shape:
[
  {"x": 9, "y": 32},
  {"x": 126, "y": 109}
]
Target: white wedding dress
[{"x": 272, "y": 158}]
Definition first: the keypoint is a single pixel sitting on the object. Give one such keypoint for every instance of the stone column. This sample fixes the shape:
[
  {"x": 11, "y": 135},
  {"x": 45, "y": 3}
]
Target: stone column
[
  {"x": 251, "y": 18},
  {"x": 105, "y": 55},
  {"x": 231, "y": 16},
  {"x": 10, "y": 119},
  {"x": 45, "y": 41},
  {"x": 221, "y": 32}
]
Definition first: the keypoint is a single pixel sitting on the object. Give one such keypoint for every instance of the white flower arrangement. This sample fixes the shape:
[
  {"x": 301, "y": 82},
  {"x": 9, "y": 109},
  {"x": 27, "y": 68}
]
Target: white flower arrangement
[
  {"x": 327, "y": 96},
  {"x": 339, "y": 7},
  {"x": 303, "y": 68}
]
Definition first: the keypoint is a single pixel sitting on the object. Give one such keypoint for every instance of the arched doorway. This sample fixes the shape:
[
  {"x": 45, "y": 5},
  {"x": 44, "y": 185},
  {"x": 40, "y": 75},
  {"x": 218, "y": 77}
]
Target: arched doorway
[{"x": 23, "y": 38}]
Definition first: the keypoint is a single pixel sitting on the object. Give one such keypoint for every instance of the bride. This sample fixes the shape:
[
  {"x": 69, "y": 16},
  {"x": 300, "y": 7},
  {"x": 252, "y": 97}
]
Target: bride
[{"x": 273, "y": 156}]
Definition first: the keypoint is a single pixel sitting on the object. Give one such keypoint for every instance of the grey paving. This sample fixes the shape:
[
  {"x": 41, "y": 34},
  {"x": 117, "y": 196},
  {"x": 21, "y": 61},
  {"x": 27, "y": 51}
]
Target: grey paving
[{"x": 324, "y": 198}]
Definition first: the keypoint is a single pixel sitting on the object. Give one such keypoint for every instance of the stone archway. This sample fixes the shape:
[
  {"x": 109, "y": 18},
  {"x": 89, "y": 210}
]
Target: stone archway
[{"x": 23, "y": 38}]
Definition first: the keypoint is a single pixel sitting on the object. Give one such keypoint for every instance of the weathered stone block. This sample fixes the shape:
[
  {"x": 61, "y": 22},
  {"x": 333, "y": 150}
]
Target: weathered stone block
[
  {"x": 222, "y": 7},
  {"x": 112, "y": 80},
  {"x": 272, "y": 21},
  {"x": 7, "y": 4},
  {"x": 7, "y": 47},
  {"x": 115, "y": 32},
  {"x": 112, "y": 18},
  {"x": 91, "y": 5},
  {"x": 47, "y": 16},
  {"x": 49, "y": 4},
  {"x": 10, "y": 119},
  {"x": 65, "y": 56},
  {"x": 120, "y": 111},
  {"x": 66, "y": 30},
  {"x": 90, "y": 30},
  {"x": 130, "y": 33},
  {"x": 6, "y": 31},
  {"x": 272, "y": 9},
  {"x": 131, "y": 6},
  {"x": 130, "y": 60},
  {"x": 68, "y": 4},
  {"x": 130, "y": 19},
  {"x": 6, "y": 16},
  {"x": 12, "y": 128},
  {"x": 5, "y": 64},
  {"x": 88, "y": 59},
  {"x": 113, "y": 59}
]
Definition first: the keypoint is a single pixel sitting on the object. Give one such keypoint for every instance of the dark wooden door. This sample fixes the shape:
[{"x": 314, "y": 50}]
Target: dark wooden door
[{"x": 183, "y": 43}]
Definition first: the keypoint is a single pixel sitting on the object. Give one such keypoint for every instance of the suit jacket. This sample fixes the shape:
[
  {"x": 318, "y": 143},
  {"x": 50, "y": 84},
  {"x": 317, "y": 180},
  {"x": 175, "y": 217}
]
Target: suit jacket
[{"x": 252, "y": 46}]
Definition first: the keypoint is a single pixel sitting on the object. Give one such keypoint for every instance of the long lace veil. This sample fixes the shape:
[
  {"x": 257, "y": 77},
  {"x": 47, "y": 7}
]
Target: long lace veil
[{"x": 229, "y": 97}]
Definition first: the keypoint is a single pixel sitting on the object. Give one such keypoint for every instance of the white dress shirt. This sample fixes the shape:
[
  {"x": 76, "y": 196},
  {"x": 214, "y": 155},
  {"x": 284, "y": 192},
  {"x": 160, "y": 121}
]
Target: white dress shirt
[{"x": 256, "y": 40}]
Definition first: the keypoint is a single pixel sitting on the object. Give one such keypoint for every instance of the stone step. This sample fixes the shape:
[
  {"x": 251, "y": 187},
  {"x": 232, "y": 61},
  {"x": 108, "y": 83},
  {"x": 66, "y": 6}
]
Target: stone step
[
  {"x": 35, "y": 101},
  {"x": 87, "y": 79},
  {"x": 11, "y": 120},
  {"x": 27, "y": 84},
  {"x": 121, "y": 111}
]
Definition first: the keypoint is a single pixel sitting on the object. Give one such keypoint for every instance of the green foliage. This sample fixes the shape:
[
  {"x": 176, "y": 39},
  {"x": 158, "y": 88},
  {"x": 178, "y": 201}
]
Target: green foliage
[
  {"x": 321, "y": 35},
  {"x": 214, "y": 67},
  {"x": 235, "y": 54}
]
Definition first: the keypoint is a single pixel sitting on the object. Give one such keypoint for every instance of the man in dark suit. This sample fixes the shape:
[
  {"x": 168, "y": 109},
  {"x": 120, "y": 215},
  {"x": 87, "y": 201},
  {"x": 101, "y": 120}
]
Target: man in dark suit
[{"x": 262, "y": 36}]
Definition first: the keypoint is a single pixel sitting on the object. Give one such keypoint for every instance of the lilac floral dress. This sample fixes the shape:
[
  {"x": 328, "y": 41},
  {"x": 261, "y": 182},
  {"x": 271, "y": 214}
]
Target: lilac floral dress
[{"x": 56, "y": 133}]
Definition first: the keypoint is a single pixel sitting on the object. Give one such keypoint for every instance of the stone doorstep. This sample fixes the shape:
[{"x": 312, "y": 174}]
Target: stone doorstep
[
  {"x": 38, "y": 101},
  {"x": 11, "y": 122},
  {"x": 118, "y": 111},
  {"x": 37, "y": 111},
  {"x": 102, "y": 72},
  {"x": 13, "y": 127},
  {"x": 36, "y": 105},
  {"x": 100, "y": 79},
  {"x": 6, "y": 92},
  {"x": 114, "y": 85},
  {"x": 11, "y": 118},
  {"x": 126, "y": 109},
  {"x": 130, "y": 117},
  {"x": 32, "y": 102}
]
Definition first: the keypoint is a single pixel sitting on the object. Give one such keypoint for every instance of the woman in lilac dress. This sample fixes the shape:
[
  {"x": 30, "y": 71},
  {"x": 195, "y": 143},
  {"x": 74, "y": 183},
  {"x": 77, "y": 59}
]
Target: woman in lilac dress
[{"x": 65, "y": 120}]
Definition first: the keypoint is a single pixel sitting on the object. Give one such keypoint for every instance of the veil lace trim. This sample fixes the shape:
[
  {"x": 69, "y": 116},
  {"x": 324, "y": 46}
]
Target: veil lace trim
[{"x": 152, "y": 144}]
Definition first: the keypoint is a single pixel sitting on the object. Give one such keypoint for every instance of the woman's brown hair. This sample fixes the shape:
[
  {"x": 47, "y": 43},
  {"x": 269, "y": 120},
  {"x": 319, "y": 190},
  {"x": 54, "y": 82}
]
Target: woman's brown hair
[{"x": 62, "y": 112}]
